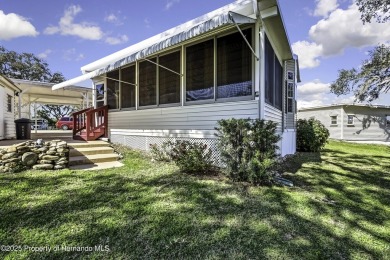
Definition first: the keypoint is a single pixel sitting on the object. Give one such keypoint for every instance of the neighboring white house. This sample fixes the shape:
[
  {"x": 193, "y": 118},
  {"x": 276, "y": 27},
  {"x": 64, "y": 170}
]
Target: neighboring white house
[
  {"x": 352, "y": 122},
  {"x": 233, "y": 62},
  {"x": 8, "y": 92}
]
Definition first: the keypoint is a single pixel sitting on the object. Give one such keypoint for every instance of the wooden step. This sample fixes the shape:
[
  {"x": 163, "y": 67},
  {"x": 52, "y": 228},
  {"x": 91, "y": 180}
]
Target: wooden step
[
  {"x": 89, "y": 144},
  {"x": 92, "y": 159},
  {"x": 90, "y": 150}
]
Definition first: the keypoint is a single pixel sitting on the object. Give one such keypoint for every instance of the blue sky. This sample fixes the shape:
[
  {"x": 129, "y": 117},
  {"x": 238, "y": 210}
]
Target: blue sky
[{"x": 326, "y": 34}]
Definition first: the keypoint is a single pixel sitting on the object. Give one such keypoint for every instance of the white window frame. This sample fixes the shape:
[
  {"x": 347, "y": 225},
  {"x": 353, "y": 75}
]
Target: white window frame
[
  {"x": 9, "y": 103},
  {"x": 331, "y": 120},
  {"x": 353, "y": 120}
]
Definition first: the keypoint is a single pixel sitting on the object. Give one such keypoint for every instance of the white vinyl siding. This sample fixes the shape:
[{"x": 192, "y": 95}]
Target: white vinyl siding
[
  {"x": 9, "y": 117},
  {"x": 194, "y": 117},
  {"x": 273, "y": 114},
  {"x": 369, "y": 123}
]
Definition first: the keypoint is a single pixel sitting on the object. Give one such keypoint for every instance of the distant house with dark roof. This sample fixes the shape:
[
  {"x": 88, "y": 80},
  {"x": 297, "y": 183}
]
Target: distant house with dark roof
[{"x": 352, "y": 122}]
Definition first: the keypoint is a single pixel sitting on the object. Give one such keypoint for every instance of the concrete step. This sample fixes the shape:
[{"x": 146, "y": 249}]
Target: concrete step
[
  {"x": 90, "y": 150},
  {"x": 92, "y": 159},
  {"x": 97, "y": 166},
  {"x": 88, "y": 144}
]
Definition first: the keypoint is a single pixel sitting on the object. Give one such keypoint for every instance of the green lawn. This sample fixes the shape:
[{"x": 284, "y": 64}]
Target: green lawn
[{"x": 338, "y": 209}]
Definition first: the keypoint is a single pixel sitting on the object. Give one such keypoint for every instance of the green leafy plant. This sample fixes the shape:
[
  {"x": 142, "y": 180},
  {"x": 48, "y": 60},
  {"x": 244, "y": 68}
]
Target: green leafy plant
[
  {"x": 312, "y": 135},
  {"x": 190, "y": 157},
  {"x": 248, "y": 149}
]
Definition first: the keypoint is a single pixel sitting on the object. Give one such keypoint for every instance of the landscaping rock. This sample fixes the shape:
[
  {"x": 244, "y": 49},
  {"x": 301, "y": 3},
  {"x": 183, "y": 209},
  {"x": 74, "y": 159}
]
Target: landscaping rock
[
  {"x": 43, "y": 149},
  {"x": 50, "y": 157},
  {"x": 11, "y": 165},
  {"x": 46, "y": 162},
  {"x": 23, "y": 149},
  {"x": 12, "y": 149},
  {"x": 9, "y": 155},
  {"x": 62, "y": 144},
  {"x": 29, "y": 158},
  {"x": 38, "y": 155},
  {"x": 43, "y": 167}
]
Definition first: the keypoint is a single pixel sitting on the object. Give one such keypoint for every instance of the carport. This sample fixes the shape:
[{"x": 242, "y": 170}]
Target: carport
[{"x": 34, "y": 94}]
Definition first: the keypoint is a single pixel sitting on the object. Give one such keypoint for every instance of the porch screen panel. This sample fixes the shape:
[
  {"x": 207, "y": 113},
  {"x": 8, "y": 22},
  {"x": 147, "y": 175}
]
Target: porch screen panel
[
  {"x": 273, "y": 77},
  {"x": 128, "y": 90},
  {"x": 200, "y": 71},
  {"x": 113, "y": 89},
  {"x": 169, "y": 82},
  {"x": 234, "y": 65},
  {"x": 278, "y": 84},
  {"x": 147, "y": 83},
  {"x": 269, "y": 72}
]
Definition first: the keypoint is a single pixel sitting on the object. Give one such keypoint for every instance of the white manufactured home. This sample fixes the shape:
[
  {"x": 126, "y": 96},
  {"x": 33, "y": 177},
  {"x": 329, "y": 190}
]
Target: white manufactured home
[
  {"x": 234, "y": 62},
  {"x": 352, "y": 121},
  {"x": 8, "y": 92}
]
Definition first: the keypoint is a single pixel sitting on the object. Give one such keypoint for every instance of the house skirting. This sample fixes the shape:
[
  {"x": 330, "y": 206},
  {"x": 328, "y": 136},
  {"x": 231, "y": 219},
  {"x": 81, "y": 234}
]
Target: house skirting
[{"x": 143, "y": 139}]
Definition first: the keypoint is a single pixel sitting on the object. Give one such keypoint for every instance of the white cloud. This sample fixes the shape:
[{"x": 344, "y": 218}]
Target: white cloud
[
  {"x": 116, "y": 19},
  {"x": 170, "y": 3},
  {"x": 324, "y": 7},
  {"x": 313, "y": 88},
  {"x": 117, "y": 40},
  {"x": 111, "y": 18},
  {"x": 313, "y": 94},
  {"x": 332, "y": 35},
  {"x": 147, "y": 23},
  {"x": 72, "y": 55},
  {"x": 344, "y": 29},
  {"x": 14, "y": 26},
  {"x": 317, "y": 93},
  {"x": 44, "y": 54},
  {"x": 308, "y": 53},
  {"x": 66, "y": 26}
]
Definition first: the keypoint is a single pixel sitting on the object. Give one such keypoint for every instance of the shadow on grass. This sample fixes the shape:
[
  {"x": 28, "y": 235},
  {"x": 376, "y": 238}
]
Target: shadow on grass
[{"x": 157, "y": 212}]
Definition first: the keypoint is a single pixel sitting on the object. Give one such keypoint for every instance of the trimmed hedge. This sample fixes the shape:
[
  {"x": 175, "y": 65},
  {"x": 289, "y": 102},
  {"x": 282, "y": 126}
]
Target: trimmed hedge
[{"x": 312, "y": 135}]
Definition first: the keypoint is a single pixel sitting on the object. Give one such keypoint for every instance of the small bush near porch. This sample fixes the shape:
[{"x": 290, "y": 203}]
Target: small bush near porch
[{"x": 338, "y": 209}]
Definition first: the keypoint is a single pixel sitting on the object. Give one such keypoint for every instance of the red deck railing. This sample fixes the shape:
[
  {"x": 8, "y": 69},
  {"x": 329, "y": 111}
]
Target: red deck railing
[{"x": 90, "y": 123}]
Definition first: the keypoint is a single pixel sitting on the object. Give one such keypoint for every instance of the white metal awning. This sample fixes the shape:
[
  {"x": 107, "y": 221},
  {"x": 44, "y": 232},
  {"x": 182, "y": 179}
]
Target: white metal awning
[{"x": 194, "y": 31}]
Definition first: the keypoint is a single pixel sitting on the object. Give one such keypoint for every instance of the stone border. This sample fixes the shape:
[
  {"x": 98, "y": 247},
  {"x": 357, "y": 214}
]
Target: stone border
[{"x": 37, "y": 155}]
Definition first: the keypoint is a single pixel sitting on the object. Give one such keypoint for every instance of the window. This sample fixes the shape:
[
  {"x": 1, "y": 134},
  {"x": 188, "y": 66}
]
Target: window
[
  {"x": 333, "y": 120},
  {"x": 350, "y": 119},
  {"x": 273, "y": 77},
  {"x": 290, "y": 97},
  {"x": 234, "y": 65},
  {"x": 169, "y": 82},
  {"x": 147, "y": 83},
  {"x": 128, "y": 90},
  {"x": 99, "y": 95},
  {"x": 9, "y": 103},
  {"x": 200, "y": 71},
  {"x": 113, "y": 89},
  {"x": 387, "y": 121}
]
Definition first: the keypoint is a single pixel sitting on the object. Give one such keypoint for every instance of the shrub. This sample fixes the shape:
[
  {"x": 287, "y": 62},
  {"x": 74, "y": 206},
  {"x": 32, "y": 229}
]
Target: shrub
[
  {"x": 248, "y": 149},
  {"x": 312, "y": 135},
  {"x": 190, "y": 157}
]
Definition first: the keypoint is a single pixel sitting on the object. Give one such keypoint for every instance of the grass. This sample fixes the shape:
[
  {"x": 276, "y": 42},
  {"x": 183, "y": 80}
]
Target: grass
[{"x": 339, "y": 208}]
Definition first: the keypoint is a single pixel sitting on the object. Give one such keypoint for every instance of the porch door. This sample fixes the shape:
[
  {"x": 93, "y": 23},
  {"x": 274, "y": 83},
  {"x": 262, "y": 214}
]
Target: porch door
[{"x": 100, "y": 94}]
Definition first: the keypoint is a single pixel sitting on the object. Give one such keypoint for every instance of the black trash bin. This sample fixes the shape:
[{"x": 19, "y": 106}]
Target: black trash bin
[{"x": 23, "y": 128}]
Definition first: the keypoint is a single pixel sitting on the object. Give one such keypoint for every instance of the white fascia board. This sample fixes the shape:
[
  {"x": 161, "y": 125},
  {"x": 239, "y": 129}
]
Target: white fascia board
[
  {"x": 270, "y": 12},
  {"x": 74, "y": 80}
]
